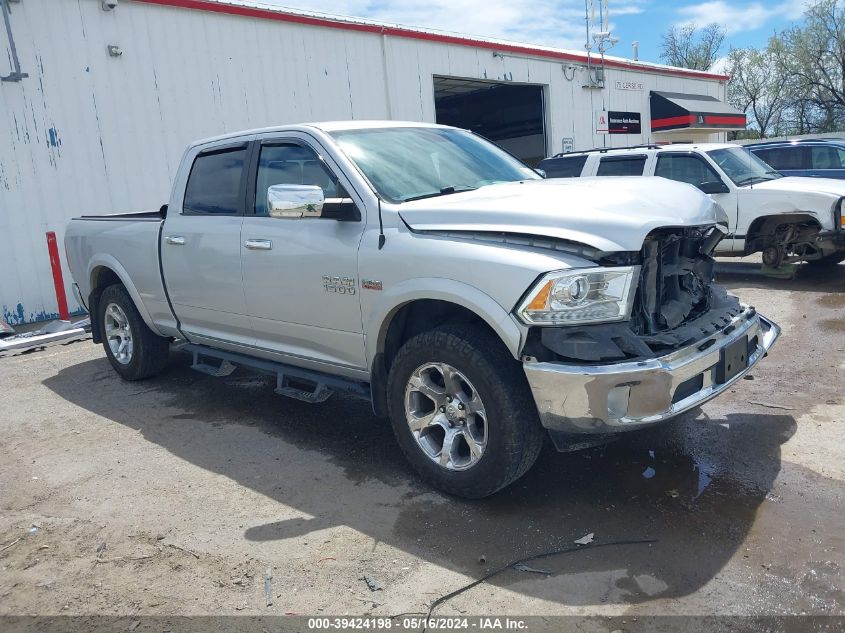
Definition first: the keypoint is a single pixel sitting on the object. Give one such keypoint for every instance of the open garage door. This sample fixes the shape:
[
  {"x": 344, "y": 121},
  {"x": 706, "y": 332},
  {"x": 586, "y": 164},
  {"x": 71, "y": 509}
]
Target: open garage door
[{"x": 511, "y": 115}]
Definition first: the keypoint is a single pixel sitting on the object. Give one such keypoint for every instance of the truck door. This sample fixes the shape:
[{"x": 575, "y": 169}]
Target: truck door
[
  {"x": 300, "y": 274},
  {"x": 691, "y": 168},
  {"x": 201, "y": 247}
]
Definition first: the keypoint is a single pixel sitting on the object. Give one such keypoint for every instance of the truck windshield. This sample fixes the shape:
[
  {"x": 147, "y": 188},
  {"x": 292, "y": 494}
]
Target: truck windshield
[
  {"x": 408, "y": 163},
  {"x": 743, "y": 167}
]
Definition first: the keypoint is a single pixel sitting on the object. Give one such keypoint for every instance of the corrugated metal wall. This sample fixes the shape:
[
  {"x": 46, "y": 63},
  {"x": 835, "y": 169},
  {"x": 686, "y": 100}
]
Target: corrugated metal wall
[{"x": 90, "y": 133}]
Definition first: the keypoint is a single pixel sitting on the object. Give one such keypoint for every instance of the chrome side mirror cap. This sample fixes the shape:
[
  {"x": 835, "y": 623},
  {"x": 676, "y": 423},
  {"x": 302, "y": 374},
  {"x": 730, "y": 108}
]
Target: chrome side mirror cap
[{"x": 295, "y": 201}]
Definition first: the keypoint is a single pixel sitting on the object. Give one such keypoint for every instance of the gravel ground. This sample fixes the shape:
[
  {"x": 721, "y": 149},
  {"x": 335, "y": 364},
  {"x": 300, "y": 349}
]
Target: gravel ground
[{"x": 175, "y": 496}]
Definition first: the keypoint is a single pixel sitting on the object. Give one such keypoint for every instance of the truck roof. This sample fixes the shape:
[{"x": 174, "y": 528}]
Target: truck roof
[{"x": 325, "y": 126}]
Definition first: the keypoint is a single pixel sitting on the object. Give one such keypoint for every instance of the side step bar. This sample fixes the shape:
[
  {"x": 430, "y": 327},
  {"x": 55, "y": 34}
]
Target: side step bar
[{"x": 294, "y": 382}]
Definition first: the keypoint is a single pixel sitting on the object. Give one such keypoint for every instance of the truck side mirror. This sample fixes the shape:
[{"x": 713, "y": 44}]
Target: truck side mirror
[
  {"x": 295, "y": 201},
  {"x": 541, "y": 172},
  {"x": 714, "y": 186}
]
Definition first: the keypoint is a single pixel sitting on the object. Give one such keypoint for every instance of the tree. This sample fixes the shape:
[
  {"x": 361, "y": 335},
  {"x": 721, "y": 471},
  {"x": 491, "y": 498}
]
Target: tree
[
  {"x": 758, "y": 88},
  {"x": 691, "y": 47},
  {"x": 812, "y": 57}
]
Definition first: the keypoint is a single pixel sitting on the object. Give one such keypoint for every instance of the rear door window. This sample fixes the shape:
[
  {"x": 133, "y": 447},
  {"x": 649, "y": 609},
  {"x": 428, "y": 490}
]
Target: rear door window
[
  {"x": 564, "y": 167},
  {"x": 215, "y": 183},
  {"x": 621, "y": 166}
]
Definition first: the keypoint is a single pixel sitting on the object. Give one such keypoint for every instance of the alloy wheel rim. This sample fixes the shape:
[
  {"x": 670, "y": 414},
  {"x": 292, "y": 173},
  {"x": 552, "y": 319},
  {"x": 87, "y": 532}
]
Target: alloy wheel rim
[
  {"x": 118, "y": 333},
  {"x": 446, "y": 416}
]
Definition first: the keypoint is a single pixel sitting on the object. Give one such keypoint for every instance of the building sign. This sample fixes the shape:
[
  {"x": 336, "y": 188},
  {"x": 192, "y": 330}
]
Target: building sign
[
  {"x": 624, "y": 122},
  {"x": 630, "y": 85},
  {"x": 568, "y": 145},
  {"x": 601, "y": 122}
]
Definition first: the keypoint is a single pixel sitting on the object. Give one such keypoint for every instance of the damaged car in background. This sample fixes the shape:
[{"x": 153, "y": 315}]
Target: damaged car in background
[
  {"x": 419, "y": 266},
  {"x": 786, "y": 219}
]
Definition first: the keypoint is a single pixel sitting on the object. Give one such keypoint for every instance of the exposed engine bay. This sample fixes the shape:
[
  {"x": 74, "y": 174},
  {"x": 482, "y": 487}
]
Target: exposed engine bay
[{"x": 676, "y": 304}]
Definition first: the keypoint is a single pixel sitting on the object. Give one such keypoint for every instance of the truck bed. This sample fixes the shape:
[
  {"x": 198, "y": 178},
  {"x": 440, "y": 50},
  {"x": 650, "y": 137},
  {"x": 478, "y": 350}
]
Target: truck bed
[
  {"x": 128, "y": 244},
  {"x": 135, "y": 215}
]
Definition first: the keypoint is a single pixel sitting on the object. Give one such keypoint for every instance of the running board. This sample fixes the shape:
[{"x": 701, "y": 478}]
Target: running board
[
  {"x": 225, "y": 368},
  {"x": 294, "y": 382}
]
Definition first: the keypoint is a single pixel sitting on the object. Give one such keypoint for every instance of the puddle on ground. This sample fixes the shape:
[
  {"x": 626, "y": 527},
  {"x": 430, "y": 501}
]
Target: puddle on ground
[
  {"x": 832, "y": 300},
  {"x": 837, "y": 325}
]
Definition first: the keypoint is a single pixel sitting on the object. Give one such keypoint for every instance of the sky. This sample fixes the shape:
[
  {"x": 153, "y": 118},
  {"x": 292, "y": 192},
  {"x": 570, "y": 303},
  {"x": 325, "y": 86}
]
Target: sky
[{"x": 561, "y": 22}]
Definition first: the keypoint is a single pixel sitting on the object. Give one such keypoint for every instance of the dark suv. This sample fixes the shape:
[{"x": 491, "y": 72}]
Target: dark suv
[{"x": 821, "y": 158}]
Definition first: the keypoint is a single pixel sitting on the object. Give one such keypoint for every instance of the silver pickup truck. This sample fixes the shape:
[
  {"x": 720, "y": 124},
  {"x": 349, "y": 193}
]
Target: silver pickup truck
[{"x": 420, "y": 266}]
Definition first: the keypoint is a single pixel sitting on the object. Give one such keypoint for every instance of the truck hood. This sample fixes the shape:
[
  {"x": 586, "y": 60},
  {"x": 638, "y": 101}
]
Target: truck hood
[
  {"x": 609, "y": 214},
  {"x": 795, "y": 184}
]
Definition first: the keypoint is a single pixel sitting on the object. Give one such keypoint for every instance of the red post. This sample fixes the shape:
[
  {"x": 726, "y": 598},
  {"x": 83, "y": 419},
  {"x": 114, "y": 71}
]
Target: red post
[{"x": 58, "y": 280}]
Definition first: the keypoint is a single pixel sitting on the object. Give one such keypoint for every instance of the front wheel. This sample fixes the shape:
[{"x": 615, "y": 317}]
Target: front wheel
[
  {"x": 462, "y": 411},
  {"x": 133, "y": 349}
]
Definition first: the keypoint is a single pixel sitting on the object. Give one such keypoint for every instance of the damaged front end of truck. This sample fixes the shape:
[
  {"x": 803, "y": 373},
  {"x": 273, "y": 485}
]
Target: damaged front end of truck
[{"x": 686, "y": 341}]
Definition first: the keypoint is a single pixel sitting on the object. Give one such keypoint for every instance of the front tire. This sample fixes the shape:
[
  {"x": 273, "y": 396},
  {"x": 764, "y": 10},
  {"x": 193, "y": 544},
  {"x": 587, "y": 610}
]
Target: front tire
[
  {"x": 133, "y": 349},
  {"x": 462, "y": 411}
]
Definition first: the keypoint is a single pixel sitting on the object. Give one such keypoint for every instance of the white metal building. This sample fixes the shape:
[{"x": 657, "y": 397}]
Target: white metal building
[{"x": 111, "y": 96}]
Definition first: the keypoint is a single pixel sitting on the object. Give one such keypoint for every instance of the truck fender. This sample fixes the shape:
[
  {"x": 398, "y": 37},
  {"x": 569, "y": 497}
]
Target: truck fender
[
  {"x": 104, "y": 260},
  {"x": 394, "y": 298}
]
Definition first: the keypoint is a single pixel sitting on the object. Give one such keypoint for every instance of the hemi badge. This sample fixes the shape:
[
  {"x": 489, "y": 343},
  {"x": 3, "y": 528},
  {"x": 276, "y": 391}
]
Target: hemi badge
[{"x": 371, "y": 284}]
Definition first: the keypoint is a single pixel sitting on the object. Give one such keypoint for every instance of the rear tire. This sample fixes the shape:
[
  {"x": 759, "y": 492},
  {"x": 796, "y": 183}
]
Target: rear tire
[
  {"x": 461, "y": 383},
  {"x": 133, "y": 350},
  {"x": 828, "y": 260}
]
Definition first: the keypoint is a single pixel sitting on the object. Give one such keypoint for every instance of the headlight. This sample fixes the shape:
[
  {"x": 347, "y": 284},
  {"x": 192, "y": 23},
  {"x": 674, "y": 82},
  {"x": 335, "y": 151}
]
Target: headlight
[{"x": 586, "y": 295}]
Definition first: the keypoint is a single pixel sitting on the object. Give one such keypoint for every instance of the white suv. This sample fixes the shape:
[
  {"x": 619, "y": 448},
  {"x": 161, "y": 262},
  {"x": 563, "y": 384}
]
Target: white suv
[{"x": 787, "y": 218}]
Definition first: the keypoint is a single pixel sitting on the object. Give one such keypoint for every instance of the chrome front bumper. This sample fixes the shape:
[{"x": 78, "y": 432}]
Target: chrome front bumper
[{"x": 598, "y": 399}]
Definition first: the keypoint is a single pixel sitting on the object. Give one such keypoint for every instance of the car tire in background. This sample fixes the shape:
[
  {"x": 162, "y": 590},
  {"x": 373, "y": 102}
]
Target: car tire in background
[
  {"x": 132, "y": 348},
  {"x": 828, "y": 260},
  {"x": 462, "y": 411}
]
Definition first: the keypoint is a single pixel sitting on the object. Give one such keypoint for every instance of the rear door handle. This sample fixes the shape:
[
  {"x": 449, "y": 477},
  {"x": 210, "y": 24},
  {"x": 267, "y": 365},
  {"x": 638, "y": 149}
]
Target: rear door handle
[
  {"x": 177, "y": 240},
  {"x": 258, "y": 245}
]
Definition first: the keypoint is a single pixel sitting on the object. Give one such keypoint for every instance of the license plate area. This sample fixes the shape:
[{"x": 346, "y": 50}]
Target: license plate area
[{"x": 733, "y": 360}]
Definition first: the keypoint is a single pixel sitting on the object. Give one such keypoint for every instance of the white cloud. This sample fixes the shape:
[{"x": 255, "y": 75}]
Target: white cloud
[
  {"x": 737, "y": 18},
  {"x": 720, "y": 66},
  {"x": 549, "y": 22}
]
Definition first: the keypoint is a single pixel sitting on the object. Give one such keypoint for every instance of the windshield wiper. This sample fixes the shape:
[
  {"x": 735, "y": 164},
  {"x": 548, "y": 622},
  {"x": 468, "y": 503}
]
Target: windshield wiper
[{"x": 445, "y": 191}]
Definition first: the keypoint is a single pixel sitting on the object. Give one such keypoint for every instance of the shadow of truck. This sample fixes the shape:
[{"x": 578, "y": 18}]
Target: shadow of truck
[{"x": 694, "y": 485}]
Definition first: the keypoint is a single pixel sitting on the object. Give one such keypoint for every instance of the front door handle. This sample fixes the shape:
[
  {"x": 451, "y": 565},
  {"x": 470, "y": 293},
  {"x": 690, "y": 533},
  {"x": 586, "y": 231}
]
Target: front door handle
[
  {"x": 258, "y": 245},
  {"x": 177, "y": 240}
]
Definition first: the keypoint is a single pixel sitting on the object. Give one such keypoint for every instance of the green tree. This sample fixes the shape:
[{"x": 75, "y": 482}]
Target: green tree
[
  {"x": 758, "y": 88},
  {"x": 691, "y": 47},
  {"x": 812, "y": 57}
]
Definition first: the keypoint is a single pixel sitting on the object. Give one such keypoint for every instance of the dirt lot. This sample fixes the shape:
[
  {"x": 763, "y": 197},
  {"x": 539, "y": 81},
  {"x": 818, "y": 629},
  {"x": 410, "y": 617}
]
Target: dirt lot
[{"x": 175, "y": 495}]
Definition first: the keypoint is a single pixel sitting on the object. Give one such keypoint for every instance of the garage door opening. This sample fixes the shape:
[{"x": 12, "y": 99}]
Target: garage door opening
[{"x": 511, "y": 115}]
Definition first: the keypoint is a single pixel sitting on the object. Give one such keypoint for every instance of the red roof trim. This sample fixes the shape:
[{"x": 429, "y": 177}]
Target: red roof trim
[
  {"x": 279, "y": 16},
  {"x": 690, "y": 120},
  {"x": 683, "y": 120},
  {"x": 738, "y": 119}
]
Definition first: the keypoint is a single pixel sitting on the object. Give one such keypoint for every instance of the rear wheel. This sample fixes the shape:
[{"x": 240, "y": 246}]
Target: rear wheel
[
  {"x": 462, "y": 411},
  {"x": 133, "y": 349}
]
